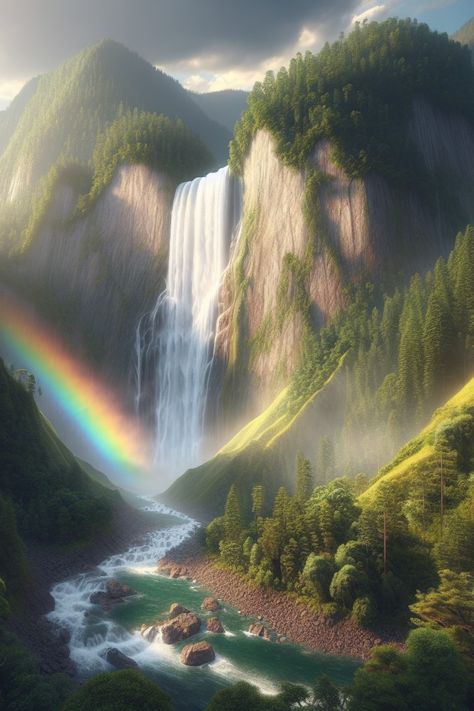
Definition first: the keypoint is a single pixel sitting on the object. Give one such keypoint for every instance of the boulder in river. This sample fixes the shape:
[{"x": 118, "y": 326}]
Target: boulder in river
[
  {"x": 180, "y": 627},
  {"x": 194, "y": 655},
  {"x": 177, "y": 609},
  {"x": 259, "y": 630},
  {"x": 116, "y": 590},
  {"x": 214, "y": 625},
  {"x": 119, "y": 660},
  {"x": 172, "y": 569},
  {"x": 210, "y": 604}
]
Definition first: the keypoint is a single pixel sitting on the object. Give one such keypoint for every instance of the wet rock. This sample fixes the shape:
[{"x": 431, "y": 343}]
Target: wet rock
[
  {"x": 177, "y": 609},
  {"x": 119, "y": 660},
  {"x": 214, "y": 625},
  {"x": 181, "y": 627},
  {"x": 101, "y": 598},
  {"x": 172, "y": 569},
  {"x": 116, "y": 590},
  {"x": 194, "y": 655},
  {"x": 210, "y": 604},
  {"x": 150, "y": 632},
  {"x": 259, "y": 630}
]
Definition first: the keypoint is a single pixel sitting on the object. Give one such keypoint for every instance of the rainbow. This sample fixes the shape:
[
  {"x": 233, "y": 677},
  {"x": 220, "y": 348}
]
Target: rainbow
[{"x": 92, "y": 408}]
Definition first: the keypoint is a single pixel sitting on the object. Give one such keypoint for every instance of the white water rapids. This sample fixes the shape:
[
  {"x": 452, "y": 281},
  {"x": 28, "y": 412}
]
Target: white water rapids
[
  {"x": 175, "y": 342},
  {"x": 72, "y": 597}
]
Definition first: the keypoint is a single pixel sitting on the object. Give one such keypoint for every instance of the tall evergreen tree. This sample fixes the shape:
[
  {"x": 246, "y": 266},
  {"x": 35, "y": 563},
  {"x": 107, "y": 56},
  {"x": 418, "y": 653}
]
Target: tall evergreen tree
[
  {"x": 232, "y": 516},
  {"x": 304, "y": 479}
]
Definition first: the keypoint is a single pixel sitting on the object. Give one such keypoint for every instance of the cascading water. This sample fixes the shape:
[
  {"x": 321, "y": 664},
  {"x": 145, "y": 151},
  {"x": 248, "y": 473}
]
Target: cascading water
[{"x": 175, "y": 342}]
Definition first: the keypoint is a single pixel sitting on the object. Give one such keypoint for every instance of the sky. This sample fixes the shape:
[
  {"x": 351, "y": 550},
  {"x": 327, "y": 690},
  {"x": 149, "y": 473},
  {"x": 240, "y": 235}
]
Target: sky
[{"x": 207, "y": 44}]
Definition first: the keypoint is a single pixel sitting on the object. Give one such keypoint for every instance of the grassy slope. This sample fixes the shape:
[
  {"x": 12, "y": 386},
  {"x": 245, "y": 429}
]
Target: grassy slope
[
  {"x": 404, "y": 467},
  {"x": 261, "y": 452}
]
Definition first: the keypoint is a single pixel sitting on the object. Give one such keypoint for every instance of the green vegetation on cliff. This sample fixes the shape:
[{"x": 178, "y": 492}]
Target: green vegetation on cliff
[
  {"x": 159, "y": 142},
  {"x": 74, "y": 103},
  {"x": 358, "y": 93}
]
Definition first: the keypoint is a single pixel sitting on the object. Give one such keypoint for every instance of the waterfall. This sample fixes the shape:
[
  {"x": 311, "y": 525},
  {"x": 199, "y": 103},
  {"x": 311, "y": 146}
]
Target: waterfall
[{"x": 175, "y": 342}]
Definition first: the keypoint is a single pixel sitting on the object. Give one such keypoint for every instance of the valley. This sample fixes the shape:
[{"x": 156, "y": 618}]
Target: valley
[{"x": 237, "y": 381}]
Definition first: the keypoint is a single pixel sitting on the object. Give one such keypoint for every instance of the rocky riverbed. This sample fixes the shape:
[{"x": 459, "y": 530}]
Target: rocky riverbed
[
  {"x": 49, "y": 565},
  {"x": 289, "y": 618}
]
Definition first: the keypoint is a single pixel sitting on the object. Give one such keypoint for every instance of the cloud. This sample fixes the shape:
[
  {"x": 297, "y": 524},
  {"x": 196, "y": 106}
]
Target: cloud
[
  {"x": 370, "y": 14},
  {"x": 217, "y": 36},
  {"x": 9, "y": 89}
]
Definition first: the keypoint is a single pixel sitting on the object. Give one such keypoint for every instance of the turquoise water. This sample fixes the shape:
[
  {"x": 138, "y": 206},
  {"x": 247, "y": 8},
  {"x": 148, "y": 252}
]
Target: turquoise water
[{"x": 238, "y": 655}]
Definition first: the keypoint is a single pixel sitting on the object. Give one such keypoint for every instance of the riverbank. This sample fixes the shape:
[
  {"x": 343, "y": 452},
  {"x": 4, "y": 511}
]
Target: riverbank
[
  {"x": 289, "y": 618},
  {"x": 50, "y": 564}
]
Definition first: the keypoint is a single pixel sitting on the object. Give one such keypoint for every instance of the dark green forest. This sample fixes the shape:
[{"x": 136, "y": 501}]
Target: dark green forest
[{"x": 358, "y": 93}]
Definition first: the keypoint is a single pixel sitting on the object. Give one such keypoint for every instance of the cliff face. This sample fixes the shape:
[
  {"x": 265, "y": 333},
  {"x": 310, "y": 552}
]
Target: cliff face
[
  {"x": 96, "y": 275},
  {"x": 357, "y": 229}
]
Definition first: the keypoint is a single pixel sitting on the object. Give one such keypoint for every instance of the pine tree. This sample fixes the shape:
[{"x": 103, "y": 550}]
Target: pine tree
[
  {"x": 232, "y": 516},
  {"x": 304, "y": 480},
  {"x": 258, "y": 494},
  {"x": 325, "y": 461},
  {"x": 439, "y": 339}
]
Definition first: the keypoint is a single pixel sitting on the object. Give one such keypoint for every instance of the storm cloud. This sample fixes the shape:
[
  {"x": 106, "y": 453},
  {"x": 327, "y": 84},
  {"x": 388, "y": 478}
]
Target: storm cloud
[{"x": 36, "y": 35}]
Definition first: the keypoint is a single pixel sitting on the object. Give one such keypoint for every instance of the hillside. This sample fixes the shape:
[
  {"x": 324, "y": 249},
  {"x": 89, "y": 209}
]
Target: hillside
[
  {"x": 225, "y": 107},
  {"x": 70, "y": 106},
  {"x": 46, "y": 496},
  {"x": 367, "y": 382}
]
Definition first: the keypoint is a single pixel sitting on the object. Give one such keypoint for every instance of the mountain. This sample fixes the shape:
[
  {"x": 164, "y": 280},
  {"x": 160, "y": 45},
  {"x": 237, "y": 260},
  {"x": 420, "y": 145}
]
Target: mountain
[
  {"x": 465, "y": 34},
  {"x": 357, "y": 168},
  {"x": 225, "y": 107},
  {"x": 63, "y": 112}
]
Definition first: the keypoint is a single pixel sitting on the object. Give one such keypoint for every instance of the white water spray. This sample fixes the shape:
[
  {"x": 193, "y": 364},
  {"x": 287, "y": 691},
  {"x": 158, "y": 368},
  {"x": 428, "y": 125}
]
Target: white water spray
[{"x": 175, "y": 343}]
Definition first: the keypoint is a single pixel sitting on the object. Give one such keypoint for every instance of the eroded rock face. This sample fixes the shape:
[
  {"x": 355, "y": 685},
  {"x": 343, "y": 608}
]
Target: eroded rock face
[
  {"x": 214, "y": 625},
  {"x": 181, "y": 627},
  {"x": 119, "y": 660},
  {"x": 210, "y": 604},
  {"x": 106, "y": 268},
  {"x": 194, "y": 655},
  {"x": 373, "y": 229}
]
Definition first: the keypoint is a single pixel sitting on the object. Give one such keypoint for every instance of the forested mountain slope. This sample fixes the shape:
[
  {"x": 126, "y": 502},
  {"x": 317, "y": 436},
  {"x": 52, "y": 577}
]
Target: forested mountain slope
[
  {"x": 45, "y": 495},
  {"x": 70, "y": 106}
]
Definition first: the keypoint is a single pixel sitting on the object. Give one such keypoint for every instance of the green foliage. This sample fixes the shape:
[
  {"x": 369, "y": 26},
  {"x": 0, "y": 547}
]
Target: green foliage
[
  {"x": 243, "y": 696},
  {"x": 54, "y": 500},
  {"x": 138, "y": 137},
  {"x": 232, "y": 517},
  {"x": 304, "y": 479},
  {"x": 405, "y": 353},
  {"x": 119, "y": 691},
  {"x": 358, "y": 93},
  {"x": 428, "y": 677},
  {"x": 22, "y": 688},
  {"x": 13, "y": 560},
  {"x": 364, "y": 612},
  {"x": 347, "y": 585},
  {"x": 316, "y": 576}
]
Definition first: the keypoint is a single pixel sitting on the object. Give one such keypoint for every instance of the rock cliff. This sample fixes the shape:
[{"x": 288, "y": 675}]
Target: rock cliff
[
  {"x": 94, "y": 276},
  {"x": 349, "y": 231}
]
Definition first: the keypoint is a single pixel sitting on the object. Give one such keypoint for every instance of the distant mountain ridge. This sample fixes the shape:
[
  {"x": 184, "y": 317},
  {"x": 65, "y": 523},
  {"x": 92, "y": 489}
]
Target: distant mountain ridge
[{"x": 58, "y": 117}]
